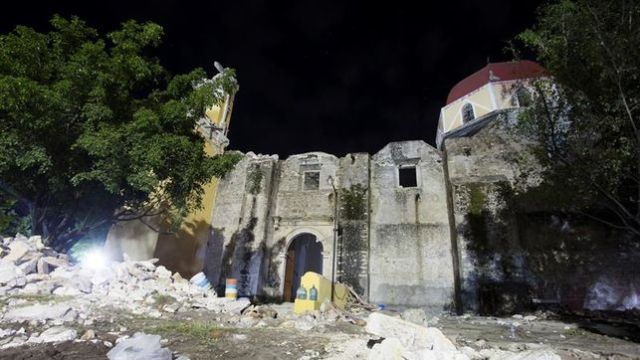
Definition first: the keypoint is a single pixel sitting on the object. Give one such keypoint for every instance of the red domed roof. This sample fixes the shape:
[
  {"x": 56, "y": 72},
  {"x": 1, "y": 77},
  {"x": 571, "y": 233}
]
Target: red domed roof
[{"x": 502, "y": 71}]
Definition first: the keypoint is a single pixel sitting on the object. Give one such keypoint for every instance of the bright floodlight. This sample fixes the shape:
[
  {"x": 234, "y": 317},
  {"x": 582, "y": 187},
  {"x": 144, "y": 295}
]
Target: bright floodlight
[{"x": 94, "y": 259}]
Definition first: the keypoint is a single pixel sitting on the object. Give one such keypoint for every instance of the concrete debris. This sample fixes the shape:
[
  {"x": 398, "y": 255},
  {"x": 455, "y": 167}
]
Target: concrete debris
[
  {"x": 260, "y": 312},
  {"x": 17, "y": 250},
  {"x": 54, "y": 334},
  {"x": 88, "y": 335},
  {"x": 37, "y": 312},
  {"x": 72, "y": 296},
  {"x": 6, "y": 332},
  {"x": 388, "y": 349},
  {"x": 401, "y": 339},
  {"x": 416, "y": 316},
  {"x": 30, "y": 268},
  {"x": 140, "y": 347},
  {"x": 406, "y": 340},
  {"x": 10, "y": 275},
  {"x": 539, "y": 354},
  {"x": 412, "y": 336},
  {"x": 15, "y": 341}
]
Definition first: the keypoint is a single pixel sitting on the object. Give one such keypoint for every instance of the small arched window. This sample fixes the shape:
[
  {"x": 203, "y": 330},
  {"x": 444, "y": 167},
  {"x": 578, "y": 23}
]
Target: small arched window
[
  {"x": 523, "y": 96},
  {"x": 467, "y": 113}
]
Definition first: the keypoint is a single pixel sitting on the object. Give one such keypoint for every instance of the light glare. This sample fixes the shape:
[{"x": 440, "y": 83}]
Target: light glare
[{"x": 94, "y": 259}]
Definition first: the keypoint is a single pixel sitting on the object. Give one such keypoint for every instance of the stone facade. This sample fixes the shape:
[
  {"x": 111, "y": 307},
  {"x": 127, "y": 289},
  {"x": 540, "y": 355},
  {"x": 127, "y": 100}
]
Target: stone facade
[
  {"x": 411, "y": 260},
  {"x": 381, "y": 228},
  {"x": 464, "y": 228},
  {"x": 515, "y": 250},
  {"x": 484, "y": 170}
]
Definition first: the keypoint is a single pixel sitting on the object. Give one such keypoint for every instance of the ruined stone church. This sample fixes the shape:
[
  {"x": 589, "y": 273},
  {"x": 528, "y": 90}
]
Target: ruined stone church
[
  {"x": 454, "y": 227},
  {"x": 387, "y": 224}
]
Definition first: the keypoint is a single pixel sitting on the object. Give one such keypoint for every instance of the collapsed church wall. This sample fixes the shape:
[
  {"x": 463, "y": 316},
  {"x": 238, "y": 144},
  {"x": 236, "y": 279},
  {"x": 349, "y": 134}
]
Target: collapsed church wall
[{"x": 411, "y": 260}]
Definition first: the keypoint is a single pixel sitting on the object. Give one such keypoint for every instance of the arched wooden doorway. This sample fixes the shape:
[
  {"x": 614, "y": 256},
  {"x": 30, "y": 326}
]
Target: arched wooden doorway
[{"x": 304, "y": 254}]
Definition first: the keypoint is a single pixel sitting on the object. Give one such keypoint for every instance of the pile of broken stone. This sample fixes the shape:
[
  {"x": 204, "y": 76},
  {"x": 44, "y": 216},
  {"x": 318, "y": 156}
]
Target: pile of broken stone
[
  {"x": 31, "y": 270},
  {"x": 27, "y": 267},
  {"x": 402, "y": 339},
  {"x": 70, "y": 294}
]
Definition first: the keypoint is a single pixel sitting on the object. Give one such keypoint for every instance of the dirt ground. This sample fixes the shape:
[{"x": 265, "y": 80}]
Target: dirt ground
[{"x": 203, "y": 335}]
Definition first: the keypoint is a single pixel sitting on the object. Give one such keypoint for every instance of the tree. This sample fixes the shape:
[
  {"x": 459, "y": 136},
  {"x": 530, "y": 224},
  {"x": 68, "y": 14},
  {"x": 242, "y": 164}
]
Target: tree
[
  {"x": 94, "y": 130},
  {"x": 586, "y": 115}
]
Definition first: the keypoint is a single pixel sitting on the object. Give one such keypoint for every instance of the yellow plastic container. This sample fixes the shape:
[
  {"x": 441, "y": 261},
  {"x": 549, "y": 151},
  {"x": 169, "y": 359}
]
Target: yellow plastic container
[{"x": 323, "y": 286}]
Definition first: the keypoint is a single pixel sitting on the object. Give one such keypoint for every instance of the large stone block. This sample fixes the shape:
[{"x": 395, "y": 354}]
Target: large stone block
[{"x": 412, "y": 336}]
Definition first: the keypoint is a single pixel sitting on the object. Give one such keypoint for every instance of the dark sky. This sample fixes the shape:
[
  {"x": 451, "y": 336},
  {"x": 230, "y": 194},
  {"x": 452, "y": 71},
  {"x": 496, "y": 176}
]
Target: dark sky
[{"x": 322, "y": 75}]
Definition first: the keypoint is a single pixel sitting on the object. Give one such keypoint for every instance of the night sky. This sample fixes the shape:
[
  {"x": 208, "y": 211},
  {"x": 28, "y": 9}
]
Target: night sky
[{"x": 333, "y": 76}]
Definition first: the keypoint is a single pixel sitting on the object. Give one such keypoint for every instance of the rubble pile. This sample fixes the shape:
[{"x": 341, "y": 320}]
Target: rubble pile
[
  {"x": 400, "y": 339},
  {"x": 48, "y": 300},
  {"x": 28, "y": 268}
]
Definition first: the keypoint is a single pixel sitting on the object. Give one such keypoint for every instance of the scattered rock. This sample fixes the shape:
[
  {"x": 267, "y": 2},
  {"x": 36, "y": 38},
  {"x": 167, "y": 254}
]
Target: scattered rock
[
  {"x": 11, "y": 275},
  {"x": 37, "y": 312},
  {"x": 140, "y": 287},
  {"x": 6, "y": 332},
  {"x": 140, "y": 346},
  {"x": 239, "y": 337},
  {"x": 260, "y": 312},
  {"x": 29, "y": 266},
  {"x": 16, "y": 341},
  {"x": 416, "y": 316},
  {"x": 88, "y": 335},
  {"x": 17, "y": 250},
  {"x": 388, "y": 349},
  {"x": 162, "y": 272},
  {"x": 55, "y": 334},
  {"x": 539, "y": 354},
  {"x": 411, "y": 336}
]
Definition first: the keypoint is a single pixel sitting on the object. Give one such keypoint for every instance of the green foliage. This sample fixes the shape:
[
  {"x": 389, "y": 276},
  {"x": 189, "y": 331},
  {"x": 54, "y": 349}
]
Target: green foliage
[
  {"x": 92, "y": 124},
  {"x": 586, "y": 115},
  {"x": 10, "y": 221}
]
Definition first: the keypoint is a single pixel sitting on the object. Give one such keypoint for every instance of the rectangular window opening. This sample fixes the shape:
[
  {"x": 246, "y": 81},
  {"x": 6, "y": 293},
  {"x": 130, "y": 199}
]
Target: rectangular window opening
[
  {"x": 408, "y": 177},
  {"x": 311, "y": 180}
]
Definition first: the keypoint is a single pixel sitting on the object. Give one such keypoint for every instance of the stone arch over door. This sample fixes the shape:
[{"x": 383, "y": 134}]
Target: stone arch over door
[
  {"x": 321, "y": 253},
  {"x": 303, "y": 254}
]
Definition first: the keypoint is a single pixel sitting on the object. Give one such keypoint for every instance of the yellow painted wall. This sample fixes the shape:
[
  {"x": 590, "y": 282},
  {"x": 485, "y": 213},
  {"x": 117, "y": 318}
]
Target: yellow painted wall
[
  {"x": 482, "y": 100},
  {"x": 183, "y": 250},
  {"x": 214, "y": 114},
  {"x": 482, "y": 105}
]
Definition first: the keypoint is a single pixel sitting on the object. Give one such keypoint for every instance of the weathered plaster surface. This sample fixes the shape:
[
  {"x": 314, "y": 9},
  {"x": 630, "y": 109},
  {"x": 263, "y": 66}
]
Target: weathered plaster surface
[
  {"x": 411, "y": 261},
  {"x": 516, "y": 248},
  {"x": 390, "y": 248}
]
